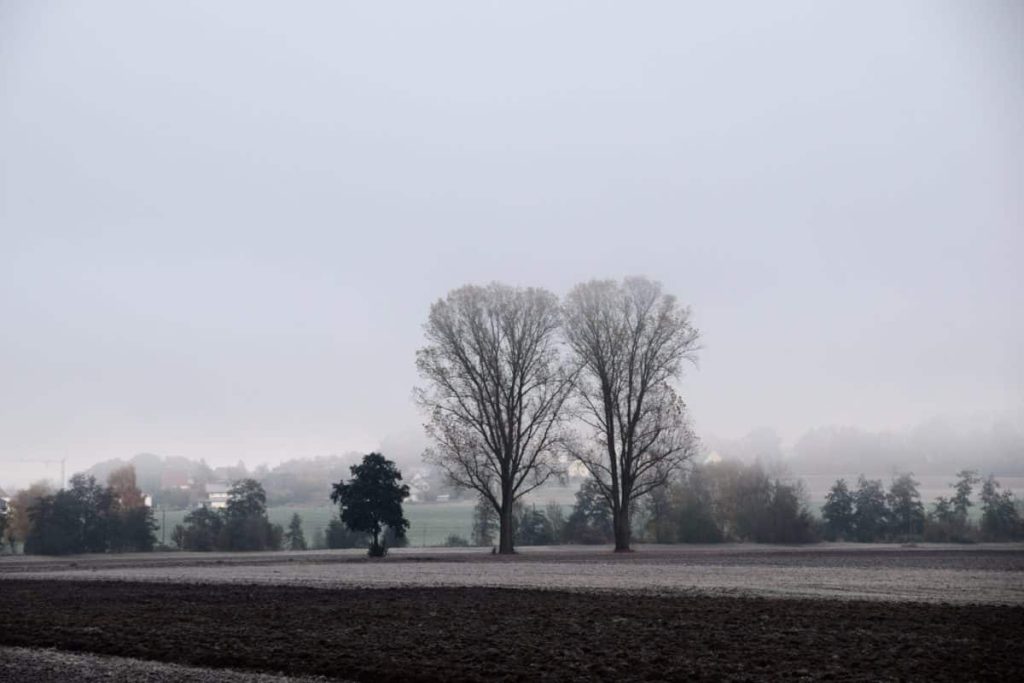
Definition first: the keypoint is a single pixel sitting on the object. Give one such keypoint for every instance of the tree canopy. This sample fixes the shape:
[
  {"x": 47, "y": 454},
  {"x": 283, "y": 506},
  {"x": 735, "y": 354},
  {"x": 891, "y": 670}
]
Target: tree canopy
[{"x": 371, "y": 501}]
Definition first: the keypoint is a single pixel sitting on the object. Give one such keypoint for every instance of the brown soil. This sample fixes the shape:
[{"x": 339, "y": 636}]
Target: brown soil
[{"x": 416, "y": 634}]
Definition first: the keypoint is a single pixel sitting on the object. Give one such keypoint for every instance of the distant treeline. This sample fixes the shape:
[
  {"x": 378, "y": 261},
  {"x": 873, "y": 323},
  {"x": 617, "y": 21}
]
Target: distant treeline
[
  {"x": 708, "y": 503},
  {"x": 872, "y": 513},
  {"x": 732, "y": 501},
  {"x": 703, "y": 504}
]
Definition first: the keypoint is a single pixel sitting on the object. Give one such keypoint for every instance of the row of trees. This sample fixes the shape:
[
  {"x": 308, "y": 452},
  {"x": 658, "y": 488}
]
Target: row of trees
[
  {"x": 703, "y": 504},
  {"x": 517, "y": 382},
  {"x": 241, "y": 525},
  {"x": 729, "y": 501},
  {"x": 86, "y": 517},
  {"x": 370, "y": 510},
  {"x": 871, "y": 513},
  {"x": 590, "y": 522}
]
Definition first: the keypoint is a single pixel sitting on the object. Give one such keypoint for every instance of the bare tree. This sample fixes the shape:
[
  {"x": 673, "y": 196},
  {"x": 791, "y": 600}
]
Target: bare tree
[
  {"x": 631, "y": 341},
  {"x": 496, "y": 389}
]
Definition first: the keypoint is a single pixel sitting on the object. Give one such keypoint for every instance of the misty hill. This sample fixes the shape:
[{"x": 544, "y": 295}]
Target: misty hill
[
  {"x": 178, "y": 482},
  {"x": 939, "y": 446}
]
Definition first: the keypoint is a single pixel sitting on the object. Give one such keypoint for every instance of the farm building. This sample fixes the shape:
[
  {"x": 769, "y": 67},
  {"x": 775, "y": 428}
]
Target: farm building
[{"x": 217, "y": 495}]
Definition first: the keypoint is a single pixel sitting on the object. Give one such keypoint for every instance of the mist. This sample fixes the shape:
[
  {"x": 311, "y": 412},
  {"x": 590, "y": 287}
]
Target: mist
[{"x": 222, "y": 228}]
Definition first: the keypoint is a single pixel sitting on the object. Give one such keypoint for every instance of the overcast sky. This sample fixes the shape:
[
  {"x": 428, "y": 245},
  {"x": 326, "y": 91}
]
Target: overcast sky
[{"x": 222, "y": 224}]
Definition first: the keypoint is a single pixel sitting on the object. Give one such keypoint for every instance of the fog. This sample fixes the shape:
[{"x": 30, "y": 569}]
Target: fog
[{"x": 222, "y": 227}]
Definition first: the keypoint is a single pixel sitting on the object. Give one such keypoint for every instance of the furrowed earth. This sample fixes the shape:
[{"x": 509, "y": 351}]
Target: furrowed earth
[{"x": 726, "y": 613}]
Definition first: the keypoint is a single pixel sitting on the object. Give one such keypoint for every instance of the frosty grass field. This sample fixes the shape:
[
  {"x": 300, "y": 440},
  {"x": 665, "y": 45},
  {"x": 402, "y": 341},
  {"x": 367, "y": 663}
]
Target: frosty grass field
[
  {"x": 729, "y": 612},
  {"x": 984, "y": 574}
]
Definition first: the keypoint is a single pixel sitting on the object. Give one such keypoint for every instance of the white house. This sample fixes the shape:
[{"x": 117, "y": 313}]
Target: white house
[{"x": 217, "y": 496}]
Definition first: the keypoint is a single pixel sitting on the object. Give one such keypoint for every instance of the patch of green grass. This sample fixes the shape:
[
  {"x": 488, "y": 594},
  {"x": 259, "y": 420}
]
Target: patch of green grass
[{"x": 429, "y": 523}]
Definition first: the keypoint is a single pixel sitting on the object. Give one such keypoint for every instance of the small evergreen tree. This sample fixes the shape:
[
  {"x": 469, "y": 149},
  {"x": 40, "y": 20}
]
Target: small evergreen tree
[
  {"x": 1000, "y": 520},
  {"x": 295, "y": 539},
  {"x": 905, "y": 507},
  {"x": 485, "y": 522},
  {"x": 964, "y": 486},
  {"x": 371, "y": 502}
]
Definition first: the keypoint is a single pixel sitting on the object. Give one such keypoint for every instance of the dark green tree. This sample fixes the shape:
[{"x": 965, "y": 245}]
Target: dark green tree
[
  {"x": 56, "y": 526},
  {"x": 246, "y": 498},
  {"x": 371, "y": 502},
  {"x": 295, "y": 539},
  {"x": 1000, "y": 520},
  {"x": 838, "y": 512},
  {"x": 246, "y": 526},
  {"x": 871, "y": 514},
  {"x": 94, "y": 506},
  {"x": 340, "y": 536},
  {"x": 202, "y": 530},
  {"x": 905, "y": 507}
]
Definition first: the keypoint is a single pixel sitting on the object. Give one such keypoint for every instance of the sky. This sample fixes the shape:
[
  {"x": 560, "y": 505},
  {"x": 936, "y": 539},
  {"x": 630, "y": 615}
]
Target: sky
[{"x": 222, "y": 225}]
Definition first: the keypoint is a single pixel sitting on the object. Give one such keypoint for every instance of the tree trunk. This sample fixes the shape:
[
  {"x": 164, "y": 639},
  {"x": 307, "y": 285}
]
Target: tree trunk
[
  {"x": 620, "y": 522},
  {"x": 505, "y": 538}
]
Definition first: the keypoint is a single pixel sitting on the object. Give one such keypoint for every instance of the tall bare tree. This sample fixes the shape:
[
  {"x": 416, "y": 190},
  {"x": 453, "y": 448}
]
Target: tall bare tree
[
  {"x": 631, "y": 341},
  {"x": 496, "y": 386}
]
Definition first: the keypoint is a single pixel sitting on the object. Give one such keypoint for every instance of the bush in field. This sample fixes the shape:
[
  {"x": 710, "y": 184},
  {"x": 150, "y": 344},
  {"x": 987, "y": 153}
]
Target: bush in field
[
  {"x": 340, "y": 536},
  {"x": 371, "y": 502},
  {"x": 455, "y": 541},
  {"x": 485, "y": 523},
  {"x": 532, "y": 527},
  {"x": 591, "y": 519}
]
